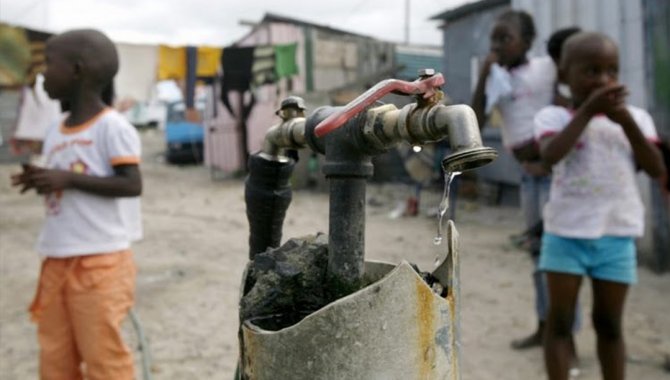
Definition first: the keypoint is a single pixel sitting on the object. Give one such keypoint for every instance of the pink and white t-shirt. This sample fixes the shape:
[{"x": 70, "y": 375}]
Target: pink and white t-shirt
[
  {"x": 532, "y": 87},
  {"x": 79, "y": 223},
  {"x": 593, "y": 188}
]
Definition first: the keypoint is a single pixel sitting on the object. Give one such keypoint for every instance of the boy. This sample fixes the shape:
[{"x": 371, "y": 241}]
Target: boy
[
  {"x": 594, "y": 211},
  {"x": 91, "y": 181}
]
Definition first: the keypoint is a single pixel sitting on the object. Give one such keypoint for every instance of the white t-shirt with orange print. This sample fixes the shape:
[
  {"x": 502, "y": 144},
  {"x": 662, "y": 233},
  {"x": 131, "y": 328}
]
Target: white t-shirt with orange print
[{"x": 80, "y": 223}]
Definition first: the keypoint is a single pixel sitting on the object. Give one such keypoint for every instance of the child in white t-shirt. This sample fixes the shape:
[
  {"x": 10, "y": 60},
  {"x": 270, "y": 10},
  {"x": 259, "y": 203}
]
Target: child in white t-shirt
[
  {"x": 91, "y": 181},
  {"x": 519, "y": 87},
  {"x": 594, "y": 211}
]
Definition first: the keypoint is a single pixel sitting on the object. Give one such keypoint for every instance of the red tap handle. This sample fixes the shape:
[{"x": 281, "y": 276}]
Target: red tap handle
[{"x": 426, "y": 86}]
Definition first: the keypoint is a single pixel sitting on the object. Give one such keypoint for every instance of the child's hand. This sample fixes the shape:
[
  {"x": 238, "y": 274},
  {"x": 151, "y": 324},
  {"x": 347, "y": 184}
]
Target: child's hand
[
  {"x": 606, "y": 99},
  {"x": 24, "y": 179},
  {"x": 47, "y": 181},
  {"x": 620, "y": 114}
]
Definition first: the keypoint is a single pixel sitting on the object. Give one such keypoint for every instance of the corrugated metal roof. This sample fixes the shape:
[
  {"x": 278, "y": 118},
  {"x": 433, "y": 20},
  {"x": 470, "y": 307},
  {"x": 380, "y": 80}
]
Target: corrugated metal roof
[{"x": 469, "y": 8}]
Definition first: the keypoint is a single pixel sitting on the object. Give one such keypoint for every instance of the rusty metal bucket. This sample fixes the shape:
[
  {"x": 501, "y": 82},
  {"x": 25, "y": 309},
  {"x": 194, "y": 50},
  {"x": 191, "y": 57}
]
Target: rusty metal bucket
[{"x": 395, "y": 328}]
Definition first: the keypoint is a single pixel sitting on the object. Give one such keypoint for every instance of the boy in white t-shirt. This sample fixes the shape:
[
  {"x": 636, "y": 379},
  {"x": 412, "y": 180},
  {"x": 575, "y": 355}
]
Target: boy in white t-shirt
[
  {"x": 594, "y": 211},
  {"x": 91, "y": 182}
]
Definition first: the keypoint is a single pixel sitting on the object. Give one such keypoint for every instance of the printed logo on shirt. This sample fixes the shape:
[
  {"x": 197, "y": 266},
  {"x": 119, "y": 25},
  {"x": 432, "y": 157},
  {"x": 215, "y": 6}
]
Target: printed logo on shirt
[
  {"x": 79, "y": 167},
  {"x": 65, "y": 144}
]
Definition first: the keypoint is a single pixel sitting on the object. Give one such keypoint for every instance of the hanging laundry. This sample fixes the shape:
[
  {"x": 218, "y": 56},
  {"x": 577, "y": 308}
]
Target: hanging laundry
[
  {"x": 208, "y": 61},
  {"x": 171, "y": 62},
  {"x": 36, "y": 114},
  {"x": 263, "y": 69},
  {"x": 237, "y": 63},
  {"x": 138, "y": 70},
  {"x": 191, "y": 78},
  {"x": 14, "y": 56},
  {"x": 285, "y": 65}
]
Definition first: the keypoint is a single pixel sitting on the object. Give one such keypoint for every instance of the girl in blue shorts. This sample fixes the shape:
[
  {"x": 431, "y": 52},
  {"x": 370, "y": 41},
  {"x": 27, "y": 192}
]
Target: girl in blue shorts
[{"x": 594, "y": 212}]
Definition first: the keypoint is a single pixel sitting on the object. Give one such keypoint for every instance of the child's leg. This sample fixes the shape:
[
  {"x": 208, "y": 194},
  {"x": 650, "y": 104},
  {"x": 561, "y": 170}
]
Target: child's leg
[
  {"x": 558, "y": 350},
  {"x": 614, "y": 269},
  {"x": 608, "y": 302},
  {"x": 59, "y": 359},
  {"x": 531, "y": 193},
  {"x": 98, "y": 301}
]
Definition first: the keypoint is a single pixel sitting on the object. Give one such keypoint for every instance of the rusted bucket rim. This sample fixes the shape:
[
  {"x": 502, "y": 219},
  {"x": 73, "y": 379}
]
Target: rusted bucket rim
[{"x": 404, "y": 266}]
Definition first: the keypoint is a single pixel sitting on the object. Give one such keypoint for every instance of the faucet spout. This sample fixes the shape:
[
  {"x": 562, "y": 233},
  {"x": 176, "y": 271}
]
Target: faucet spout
[
  {"x": 386, "y": 126},
  {"x": 290, "y": 134},
  {"x": 465, "y": 141}
]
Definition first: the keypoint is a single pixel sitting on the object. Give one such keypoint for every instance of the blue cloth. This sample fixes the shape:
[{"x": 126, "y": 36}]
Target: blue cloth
[{"x": 610, "y": 258}]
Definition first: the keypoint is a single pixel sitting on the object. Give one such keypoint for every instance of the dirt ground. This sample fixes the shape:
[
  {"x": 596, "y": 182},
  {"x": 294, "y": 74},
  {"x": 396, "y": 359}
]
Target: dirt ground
[{"x": 195, "y": 247}]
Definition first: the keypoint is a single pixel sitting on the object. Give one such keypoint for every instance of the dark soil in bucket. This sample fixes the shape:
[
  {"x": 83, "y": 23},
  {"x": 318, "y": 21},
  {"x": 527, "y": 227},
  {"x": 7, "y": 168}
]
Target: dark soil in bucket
[
  {"x": 286, "y": 284},
  {"x": 288, "y": 281}
]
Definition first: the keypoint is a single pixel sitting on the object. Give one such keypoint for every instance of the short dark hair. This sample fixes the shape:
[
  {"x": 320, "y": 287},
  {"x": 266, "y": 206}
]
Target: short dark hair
[
  {"x": 577, "y": 41},
  {"x": 556, "y": 40},
  {"x": 95, "y": 49},
  {"x": 525, "y": 22}
]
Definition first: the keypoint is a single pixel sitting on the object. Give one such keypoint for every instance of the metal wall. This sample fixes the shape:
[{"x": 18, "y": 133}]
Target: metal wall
[
  {"x": 657, "y": 47},
  {"x": 412, "y": 59}
]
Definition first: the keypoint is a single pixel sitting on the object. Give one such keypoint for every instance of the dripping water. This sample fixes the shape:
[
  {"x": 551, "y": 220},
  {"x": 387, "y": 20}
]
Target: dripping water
[{"x": 442, "y": 209}]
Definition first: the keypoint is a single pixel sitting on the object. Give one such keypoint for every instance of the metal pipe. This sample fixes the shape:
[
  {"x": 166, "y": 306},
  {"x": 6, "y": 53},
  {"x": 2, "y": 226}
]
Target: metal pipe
[
  {"x": 268, "y": 194},
  {"x": 267, "y": 190},
  {"x": 346, "y": 245},
  {"x": 290, "y": 134}
]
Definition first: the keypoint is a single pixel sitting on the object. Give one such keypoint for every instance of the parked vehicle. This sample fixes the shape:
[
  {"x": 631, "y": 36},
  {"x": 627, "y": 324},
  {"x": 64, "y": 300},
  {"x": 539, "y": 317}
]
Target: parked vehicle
[{"x": 184, "y": 138}]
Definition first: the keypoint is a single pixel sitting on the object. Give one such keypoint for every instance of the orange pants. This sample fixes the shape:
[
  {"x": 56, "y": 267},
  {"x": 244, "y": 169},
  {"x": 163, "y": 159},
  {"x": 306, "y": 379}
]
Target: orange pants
[{"x": 79, "y": 306}]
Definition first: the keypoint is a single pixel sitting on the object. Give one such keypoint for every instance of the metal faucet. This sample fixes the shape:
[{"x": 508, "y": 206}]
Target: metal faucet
[
  {"x": 418, "y": 123},
  {"x": 349, "y": 136},
  {"x": 289, "y": 134}
]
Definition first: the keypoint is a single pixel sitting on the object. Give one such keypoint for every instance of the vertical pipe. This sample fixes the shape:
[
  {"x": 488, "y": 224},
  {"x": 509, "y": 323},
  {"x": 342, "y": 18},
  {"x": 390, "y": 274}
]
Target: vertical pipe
[
  {"x": 267, "y": 193},
  {"x": 347, "y": 234}
]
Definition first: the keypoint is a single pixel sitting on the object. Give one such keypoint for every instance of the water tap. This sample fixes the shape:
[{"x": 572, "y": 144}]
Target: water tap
[
  {"x": 289, "y": 134},
  {"x": 375, "y": 130}
]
